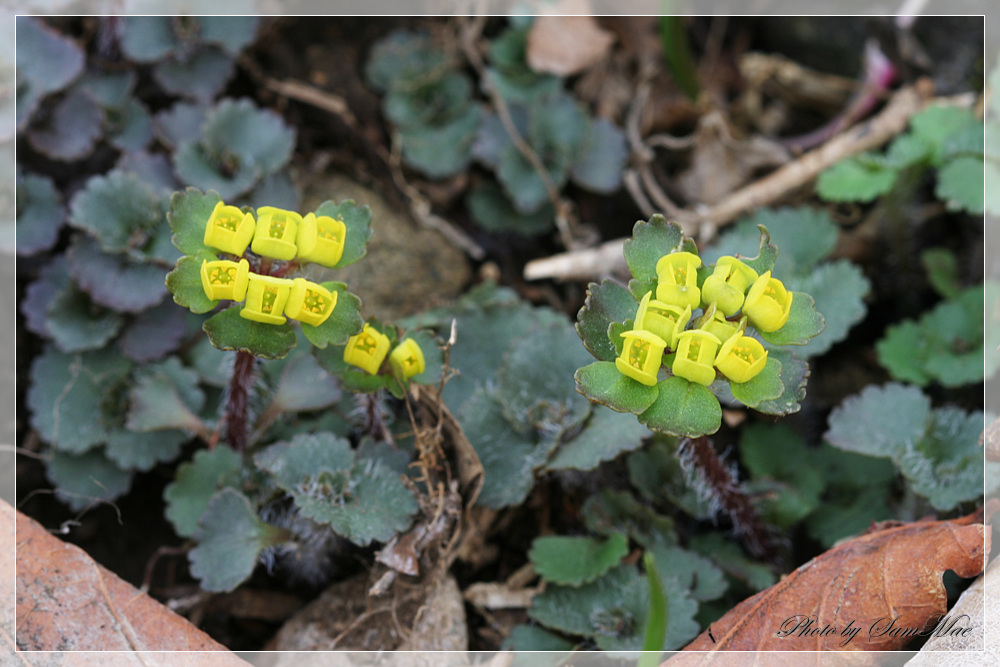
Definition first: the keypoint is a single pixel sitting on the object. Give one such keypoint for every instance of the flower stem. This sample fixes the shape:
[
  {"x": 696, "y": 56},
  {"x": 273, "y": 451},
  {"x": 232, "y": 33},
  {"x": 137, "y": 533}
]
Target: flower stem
[
  {"x": 237, "y": 403},
  {"x": 699, "y": 454}
]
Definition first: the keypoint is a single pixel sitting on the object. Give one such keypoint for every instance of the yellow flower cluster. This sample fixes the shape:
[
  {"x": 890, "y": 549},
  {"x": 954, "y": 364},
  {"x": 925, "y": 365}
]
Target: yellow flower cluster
[
  {"x": 367, "y": 351},
  {"x": 277, "y": 234},
  {"x": 733, "y": 291},
  {"x": 270, "y": 299}
]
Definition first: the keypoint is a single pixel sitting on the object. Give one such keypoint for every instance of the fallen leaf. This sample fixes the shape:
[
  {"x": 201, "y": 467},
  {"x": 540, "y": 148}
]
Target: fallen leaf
[
  {"x": 872, "y": 593},
  {"x": 567, "y": 45},
  {"x": 67, "y": 602}
]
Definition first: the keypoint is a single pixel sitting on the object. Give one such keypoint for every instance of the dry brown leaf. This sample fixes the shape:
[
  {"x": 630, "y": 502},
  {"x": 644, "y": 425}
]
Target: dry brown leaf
[
  {"x": 67, "y": 602},
  {"x": 566, "y": 45},
  {"x": 884, "y": 587}
]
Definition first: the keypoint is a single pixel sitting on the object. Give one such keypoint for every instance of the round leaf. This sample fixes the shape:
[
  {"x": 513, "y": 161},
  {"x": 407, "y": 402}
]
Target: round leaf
[
  {"x": 40, "y": 214},
  {"x": 344, "y": 322},
  {"x": 358, "y": 220},
  {"x": 115, "y": 281},
  {"x": 228, "y": 331},
  {"x": 603, "y": 383},
  {"x": 765, "y": 386},
  {"x": 683, "y": 408},
  {"x": 650, "y": 241},
  {"x": 572, "y": 561},
  {"x": 72, "y": 130},
  {"x": 82, "y": 480},
  {"x": 189, "y": 213},
  {"x": 184, "y": 282},
  {"x": 195, "y": 484},
  {"x": 118, "y": 209},
  {"x": 804, "y": 322}
]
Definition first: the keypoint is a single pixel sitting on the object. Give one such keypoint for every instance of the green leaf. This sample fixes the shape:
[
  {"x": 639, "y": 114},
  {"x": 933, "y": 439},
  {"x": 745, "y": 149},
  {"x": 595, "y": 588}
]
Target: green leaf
[
  {"x": 838, "y": 289},
  {"x": 656, "y": 625},
  {"x": 937, "y": 124},
  {"x": 230, "y": 539},
  {"x": 880, "y": 421},
  {"x": 159, "y": 331},
  {"x": 908, "y": 150},
  {"x": 147, "y": 38},
  {"x": 804, "y": 322},
  {"x": 683, "y": 408},
  {"x": 941, "y": 265},
  {"x": 46, "y": 61},
  {"x": 40, "y": 214},
  {"x": 442, "y": 150},
  {"x": 131, "y": 128},
  {"x": 657, "y": 473},
  {"x": 362, "y": 500},
  {"x": 731, "y": 559},
  {"x": 184, "y": 282},
  {"x": 181, "y": 123},
  {"x": 166, "y": 396},
  {"x": 77, "y": 324},
  {"x": 535, "y": 384},
  {"x": 946, "y": 466},
  {"x": 303, "y": 385},
  {"x": 494, "y": 212},
  {"x": 696, "y": 574},
  {"x": 86, "y": 479},
  {"x": 118, "y": 209},
  {"x": 229, "y": 331},
  {"x": 522, "y": 182},
  {"x": 259, "y": 136},
  {"x": 765, "y": 386},
  {"x": 142, "y": 451},
  {"x": 530, "y": 639},
  {"x": 904, "y": 351},
  {"x": 852, "y": 514},
  {"x": 345, "y": 320},
  {"x": 200, "y": 76},
  {"x": 572, "y": 561},
  {"x": 780, "y": 462},
  {"x": 188, "y": 496},
  {"x": 794, "y": 377},
  {"x": 606, "y": 303},
  {"x": 859, "y": 179},
  {"x": 71, "y": 130},
  {"x": 232, "y": 33},
  {"x": 66, "y": 393},
  {"x": 433, "y": 103},
  {"x": 601, "y": 158},
  {"x": 961, "y": 185},
  {"x": 404, "y": 59},
  {"x": 650, "y": 241},
  {"x": 358, "y": 221},
  {"x": 604, "y": 437},
  {"x": 230, "y": 175},
  {"x": 603, "y": 383},
  {"x": 611, "y": 512},
  {"x": 115, "y": 281},
  {"x": 805, "y": 236}
]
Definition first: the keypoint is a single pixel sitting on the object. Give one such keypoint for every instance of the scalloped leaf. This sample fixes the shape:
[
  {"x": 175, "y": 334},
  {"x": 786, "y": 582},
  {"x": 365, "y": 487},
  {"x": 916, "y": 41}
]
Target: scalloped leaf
[
  {"x": 609, "y": 512},
  {"x": 188, "y": 496},
  {"x": 961, "y": 185},
  {"x": 71, "y": 129},
  {"x": 702, "y": 578},
  {"x": 937, "y": 124},
  {"x": 200, "y": 76},
  {"x": 946, "y": 466},
  {"x": 153, "y": 168},
  {"x": 804, "y": 322},
  {"x": 657, "y": 472},
  {"x": 53, "y": 279},
  {"x": 166, "y": 395},
  {"x": 838, "y": 289},
  {"x": 603, "y": 383},
  {"x": 358, "y": 220},
  {"x": 650, "y": 241},
  {"x": 683, "y": 408},
  {"x": 232, "y": 33},
  {"x": 494, "y": 212},
  {"x": 112, "y": 89},
  {"x": 522, "y": 183},
  {"x": 40, "y": 214},
  {"x": 184, "y": 282},
  {"x": 142, "y": 451},
  {"x": 572, "y": 561},
  {"x": 84, "y": 480},
  {"x": 189, "y": 213},
  {"x": 195, "y": 165},
  {"x": 277, "y": 189},
  {"x": 303, "y": 385},
  {"x": 66, "y": 394},
  {"x": 404, "y": 59},
  {"x": 606, "y": 303},
  {"x": 433, "y": 104},
  {"x": 534, "y": 638},
  {"x": 180, "y": 124},
  {"x": 239, "y": 127},
  {"x": 765, "y": 386},
  {"x": 601, "y": 159},
  {"x": 76, "y": 323},
  {"x": 46, "y": 61},
  {"x": 880, "y": 421},
  {"x": 130, "y": 129},
  {"x": 229, "y": 331},
  {"x": 794, "y": 376},
  {"x": 230, "y": 539},
  {"x": 345, "y": 320},
  {"x": 159, "y": 331},
  {"x": 439, "y": 151},
  {"x": 118, "y": 209},
  {"x": 115, "y": 281},
  {"x": 364, "y": 500},
  {"x": 807, "y": 235},
  {"x": 860, "y": 178},
  {"x": 146, "y": 38},
  {"x": 605, "y": 437}
]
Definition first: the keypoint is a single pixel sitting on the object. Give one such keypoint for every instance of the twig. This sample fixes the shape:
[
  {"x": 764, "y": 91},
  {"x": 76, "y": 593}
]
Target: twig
[{"x": 865, "y": 136}]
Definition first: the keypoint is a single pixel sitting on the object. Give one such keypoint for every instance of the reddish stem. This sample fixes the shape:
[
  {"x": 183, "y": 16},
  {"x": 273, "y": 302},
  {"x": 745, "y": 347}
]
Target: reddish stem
[
  {"x": 699, "y": 454},
  {"x": 238, "y": 401}
]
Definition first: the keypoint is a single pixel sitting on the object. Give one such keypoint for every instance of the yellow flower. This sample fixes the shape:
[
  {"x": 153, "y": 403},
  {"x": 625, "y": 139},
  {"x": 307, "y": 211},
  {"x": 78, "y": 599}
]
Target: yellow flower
[
  {"x": 641, "y": 356},
  {"x": 720, "y": 327},
  {"x": 727, "y": 284},
  {"x": 677, "y": 279},
  {"x": 741, "y": 358},
  {"x": 276, "y": 233},
  {"x": 367, "y": 349},
  {"x": 223, "y": 279},
  {"x": 309, "y": 302},
  {"x": 229, "y": 229},
  {"x": 321, "y": 239},
  {"x": 768, "y": 303},
  {"x": 266, "y": 299},
  {"x": 695, "y": 357},
  {"x": 407, "y": 359},
  {"x": 662, "y": 319}
]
